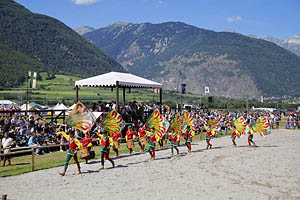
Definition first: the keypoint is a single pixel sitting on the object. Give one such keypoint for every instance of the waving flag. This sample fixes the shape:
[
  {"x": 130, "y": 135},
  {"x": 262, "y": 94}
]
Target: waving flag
[
  {"x": 188, "y": 121},
  {"x": 240, "y": 125},
  {"x": 166, "y": 125},
  {"x": 158, "y": 122},
  {"x": 176, "y": 123},
  {"x": 261, "y": 126},
  {"x": 81, "y": 118},
  {"x": 113, "y": 122}
]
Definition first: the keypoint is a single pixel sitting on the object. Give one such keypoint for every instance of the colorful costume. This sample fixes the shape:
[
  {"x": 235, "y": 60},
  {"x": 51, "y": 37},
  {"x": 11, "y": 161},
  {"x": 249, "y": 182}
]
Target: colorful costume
[
  {"x": 188, "y": 135},
  {"x": 105, "y": 142},
  {"x": 237, "y": 128},
  {"x": 233, "y": 134},
  {"x": 261, "y": 126},
  {"x": 142, "y": 138},
  {"x": 153, "y": 138},
  {"x": 116, "y": 141},
  {"x": 250, "y": 138},
  {"x": 174, "y": 139},
  {"x": 209, "y": 134},
  {"x": 129, "y": 139},
  {"x": 87, "y": 145},
  {"x": 72, "y": 152}
]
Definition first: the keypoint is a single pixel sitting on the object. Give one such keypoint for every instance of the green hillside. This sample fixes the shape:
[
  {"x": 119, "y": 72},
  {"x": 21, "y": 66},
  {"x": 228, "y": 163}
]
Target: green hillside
[
  {"x": 14, "y": 67},
  {"x": 51, "y": 42},
  {"x": 231, "y": 64}
]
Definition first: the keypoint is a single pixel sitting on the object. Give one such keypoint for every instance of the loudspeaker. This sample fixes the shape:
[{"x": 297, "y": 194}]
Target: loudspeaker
[{"x": 210, "y": 99}]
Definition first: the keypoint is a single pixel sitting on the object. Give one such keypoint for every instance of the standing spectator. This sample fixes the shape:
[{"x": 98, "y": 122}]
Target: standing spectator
[
  {"x": 94, "y": 107},
  {"x": 277, "y": 119},
  {"x": 6, "y": 143},
  {"x": 287, "y": 122},
  {"x": 0, "y": 147}
]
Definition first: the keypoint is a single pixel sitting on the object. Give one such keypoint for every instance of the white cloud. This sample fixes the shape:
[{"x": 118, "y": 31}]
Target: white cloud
[
  {"x": 234, "y": 19},
  {"x": 85, "y": 2}
]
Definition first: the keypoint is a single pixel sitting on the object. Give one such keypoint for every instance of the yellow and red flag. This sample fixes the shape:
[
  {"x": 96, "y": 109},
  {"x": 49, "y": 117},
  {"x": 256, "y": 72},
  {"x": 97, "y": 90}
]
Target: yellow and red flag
[
  {"x": 81, "y": 118},
  {"x": 113, "y": 122}
]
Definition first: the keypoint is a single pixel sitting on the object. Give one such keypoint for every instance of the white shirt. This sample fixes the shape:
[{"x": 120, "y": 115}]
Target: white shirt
[{"x": 6, "y": 142}]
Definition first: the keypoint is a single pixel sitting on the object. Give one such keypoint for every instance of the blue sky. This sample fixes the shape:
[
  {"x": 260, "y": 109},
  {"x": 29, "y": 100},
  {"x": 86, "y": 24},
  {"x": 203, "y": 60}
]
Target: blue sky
[{"x": 279, "y": 18}]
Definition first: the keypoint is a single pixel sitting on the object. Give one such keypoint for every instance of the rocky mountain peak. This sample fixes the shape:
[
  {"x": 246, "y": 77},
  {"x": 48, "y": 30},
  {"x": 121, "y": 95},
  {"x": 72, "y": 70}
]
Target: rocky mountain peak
[{"x": 84, "y": 29}]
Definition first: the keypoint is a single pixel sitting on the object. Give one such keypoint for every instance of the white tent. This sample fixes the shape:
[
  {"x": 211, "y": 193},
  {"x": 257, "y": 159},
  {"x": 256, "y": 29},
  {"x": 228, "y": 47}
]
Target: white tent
[
  {"x": 97, "y": 114},
  {"x": 30, "y": 107},
  {"x": 73, "y": 106},
  {"x": 6, "y": 102},
  {"x": 118, "y": 80},
  {"x": 124, "y": 79},
  {"x": 70, "y": 109},
  {"x": 59, "y": 106}
]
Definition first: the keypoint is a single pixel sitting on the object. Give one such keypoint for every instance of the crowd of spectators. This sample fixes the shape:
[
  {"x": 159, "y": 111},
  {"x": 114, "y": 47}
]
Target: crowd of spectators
[{"x": 34, "y": 131}]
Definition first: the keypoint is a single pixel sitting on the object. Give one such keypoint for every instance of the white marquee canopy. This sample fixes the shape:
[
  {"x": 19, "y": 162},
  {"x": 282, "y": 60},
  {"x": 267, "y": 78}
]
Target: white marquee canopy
[
  {"x": 118, "y": 80},
  {"x": 124, "y": 80}
]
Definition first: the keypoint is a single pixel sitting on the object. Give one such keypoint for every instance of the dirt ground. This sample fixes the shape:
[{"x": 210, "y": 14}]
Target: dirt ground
[{"x": 270, "y": 171}]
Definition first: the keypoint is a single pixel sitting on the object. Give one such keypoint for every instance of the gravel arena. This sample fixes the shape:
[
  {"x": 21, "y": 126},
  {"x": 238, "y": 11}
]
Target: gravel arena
[{"x": 270, "y": 171}]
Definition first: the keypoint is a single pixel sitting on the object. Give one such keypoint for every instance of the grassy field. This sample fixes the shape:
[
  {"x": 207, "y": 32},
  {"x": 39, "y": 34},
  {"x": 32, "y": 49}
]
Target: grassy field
[{"x": 61, "y": 88}]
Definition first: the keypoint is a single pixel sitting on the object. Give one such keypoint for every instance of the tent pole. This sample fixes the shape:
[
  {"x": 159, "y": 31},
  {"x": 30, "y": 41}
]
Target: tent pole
[
  {"x": 117, "y": 96},
  {"x": 160, "y": 100},
  {"x": 124, "y": 96},
  {"x": 76, "y": 93}
]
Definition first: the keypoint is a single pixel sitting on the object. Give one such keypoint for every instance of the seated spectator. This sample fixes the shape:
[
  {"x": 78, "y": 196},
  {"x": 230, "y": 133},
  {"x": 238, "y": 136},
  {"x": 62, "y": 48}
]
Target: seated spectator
[{"x": 33, "y": 142}]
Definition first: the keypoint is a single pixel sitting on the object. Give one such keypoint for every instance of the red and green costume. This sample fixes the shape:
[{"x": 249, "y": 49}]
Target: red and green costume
[
  {"x": 188, "y": 139},
  {"x": 174, "y": 139},
  {"x": 233, "y": 134},
  {"x": 250, "y": 138},
  {"x": 153, "y": 138},
  {"x": 74, "y": 144},
  {"x": 208, "y": 136},
  {"x": 105, "y": 141}
]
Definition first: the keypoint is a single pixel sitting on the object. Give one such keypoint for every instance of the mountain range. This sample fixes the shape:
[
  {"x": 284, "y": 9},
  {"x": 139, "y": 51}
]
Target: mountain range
[
  {"x": 44, "y": 44},
  {"x": 231, "y": 64},
  {"x": 291, "y": 44}
]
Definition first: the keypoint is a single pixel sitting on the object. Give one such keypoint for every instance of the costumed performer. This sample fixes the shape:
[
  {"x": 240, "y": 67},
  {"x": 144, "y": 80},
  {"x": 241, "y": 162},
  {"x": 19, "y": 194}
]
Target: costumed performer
[
  {"x": 116, "y": 143},
  {"x": 188, "y": 135},
  {"x": 105, "y": 142},
  {"x": 86, "y": 146},
  {"x": 174, "y": 139},
  {"x": 74, "y": 145},
  {"x": 129, "y": 139},
  {"x": 153, "y": 138},
  {"x": 142, "y": 137}
]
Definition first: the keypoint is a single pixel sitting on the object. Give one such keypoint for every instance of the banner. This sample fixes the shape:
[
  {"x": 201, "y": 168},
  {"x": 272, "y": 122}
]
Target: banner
[
  {"x": 176, "y": 123},
  {"x": 158, "y": 122},
  {"x": 188, "y": 121},
  {"x": 183, "y": 88},
  {"x": 113, "y": 122},
  {"x": 81, "y": 118}
]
